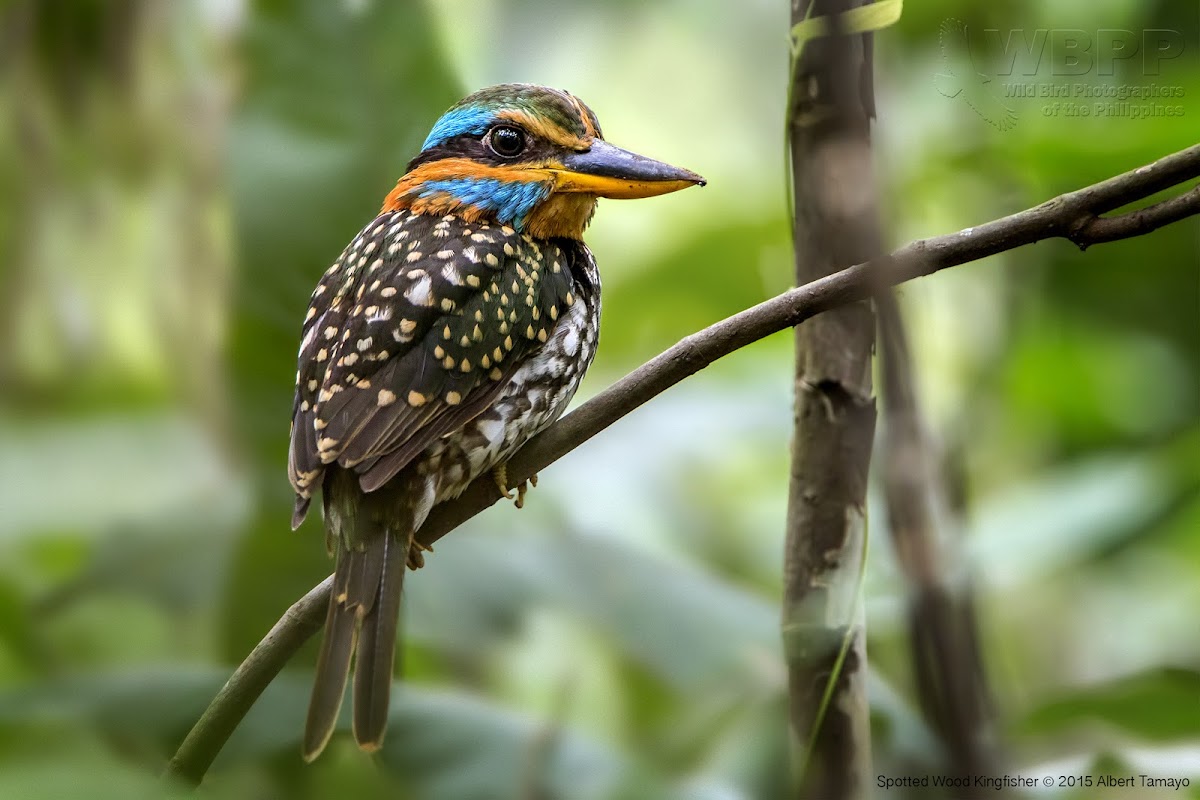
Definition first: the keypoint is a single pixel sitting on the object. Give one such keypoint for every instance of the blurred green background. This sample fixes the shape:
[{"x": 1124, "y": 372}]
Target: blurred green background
[{"x": 175, "y": 176}]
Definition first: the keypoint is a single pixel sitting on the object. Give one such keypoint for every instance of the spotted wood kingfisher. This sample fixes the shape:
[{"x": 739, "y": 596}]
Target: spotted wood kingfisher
[{"x": 453, "y": 328}]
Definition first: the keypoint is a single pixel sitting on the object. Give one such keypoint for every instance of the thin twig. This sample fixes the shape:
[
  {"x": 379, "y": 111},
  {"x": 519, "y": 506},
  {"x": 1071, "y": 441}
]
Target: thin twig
[{"x": 1069, "y": 212}]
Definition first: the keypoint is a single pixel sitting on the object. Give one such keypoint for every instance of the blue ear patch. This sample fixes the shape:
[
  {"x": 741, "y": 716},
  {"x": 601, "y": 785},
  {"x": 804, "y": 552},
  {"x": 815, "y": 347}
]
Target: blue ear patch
[
  {"x": 468, "y": 119},
  {"x": 510, "y": 202}
]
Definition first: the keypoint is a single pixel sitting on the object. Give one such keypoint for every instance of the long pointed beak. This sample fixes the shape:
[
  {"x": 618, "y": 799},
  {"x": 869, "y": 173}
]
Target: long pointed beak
[{"x": 608, "y": 171}]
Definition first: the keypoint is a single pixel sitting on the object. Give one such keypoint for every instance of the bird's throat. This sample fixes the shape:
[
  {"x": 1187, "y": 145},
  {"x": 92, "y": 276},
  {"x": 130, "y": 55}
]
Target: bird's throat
[{"x": 561, "y": 215}]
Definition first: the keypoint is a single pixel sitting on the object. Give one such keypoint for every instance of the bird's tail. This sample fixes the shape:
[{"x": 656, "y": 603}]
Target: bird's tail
[{"x": 371, "y": 541}]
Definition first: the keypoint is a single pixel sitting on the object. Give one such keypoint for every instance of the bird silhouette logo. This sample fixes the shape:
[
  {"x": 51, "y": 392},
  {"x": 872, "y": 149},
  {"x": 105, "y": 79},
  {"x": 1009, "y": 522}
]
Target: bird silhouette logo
[{"x": 961, "y": 78}]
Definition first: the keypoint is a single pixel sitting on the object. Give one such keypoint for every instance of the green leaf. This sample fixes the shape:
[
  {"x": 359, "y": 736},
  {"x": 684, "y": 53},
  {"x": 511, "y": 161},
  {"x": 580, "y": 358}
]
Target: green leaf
[
  {"x": 97, "y": 475},
  {"x": 1159, "y": 705},
  {"x": 1062, "y": 518},
  {"x": 451, "y": 745},
  {"x": 687, "y": 626},
  {"x": 86, "y": 778},
  {"x": 145, "y": 704},
  {"x": 443, "y": 744}
]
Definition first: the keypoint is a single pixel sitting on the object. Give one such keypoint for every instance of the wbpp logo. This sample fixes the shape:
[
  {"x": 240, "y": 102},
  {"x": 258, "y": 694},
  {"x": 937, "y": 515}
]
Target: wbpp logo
[{"x": 996, "y": 71}]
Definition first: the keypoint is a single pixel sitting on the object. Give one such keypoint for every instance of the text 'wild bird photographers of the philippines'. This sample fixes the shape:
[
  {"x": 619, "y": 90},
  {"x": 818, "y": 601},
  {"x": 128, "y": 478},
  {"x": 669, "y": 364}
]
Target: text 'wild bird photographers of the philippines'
[{"x": 1006, "y": 74}]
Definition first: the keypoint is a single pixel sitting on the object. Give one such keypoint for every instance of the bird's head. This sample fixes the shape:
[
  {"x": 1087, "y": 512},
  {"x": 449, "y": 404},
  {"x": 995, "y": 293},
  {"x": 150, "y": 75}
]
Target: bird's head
[{"x": 529, "y": 157}]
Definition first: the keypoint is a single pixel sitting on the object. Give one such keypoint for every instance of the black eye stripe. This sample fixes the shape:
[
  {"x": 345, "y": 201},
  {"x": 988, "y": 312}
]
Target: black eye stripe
[{"x": 476, "y": 148}]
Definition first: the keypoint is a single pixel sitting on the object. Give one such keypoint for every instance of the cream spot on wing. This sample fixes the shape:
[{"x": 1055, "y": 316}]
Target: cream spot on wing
[
  {"x": 380, "y": 315},
  {"x": 386, "y": 398}
]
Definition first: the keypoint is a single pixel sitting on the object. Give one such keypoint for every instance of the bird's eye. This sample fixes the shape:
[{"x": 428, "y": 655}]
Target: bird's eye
[{"x": 505, "y": 141}]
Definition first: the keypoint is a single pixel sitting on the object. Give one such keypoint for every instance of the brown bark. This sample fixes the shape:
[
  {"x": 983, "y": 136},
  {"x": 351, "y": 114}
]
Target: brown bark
[
  {"x": 835, "y": 226},
  {"x": 947, "y": 664}
]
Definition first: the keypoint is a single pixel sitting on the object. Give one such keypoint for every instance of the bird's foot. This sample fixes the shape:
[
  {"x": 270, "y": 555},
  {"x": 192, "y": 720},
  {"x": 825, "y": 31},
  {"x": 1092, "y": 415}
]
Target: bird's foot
[
  {"x": 416, "y": 554},
  {"x": 500, "y": 473},
  {"x": 522, "y": 488}
]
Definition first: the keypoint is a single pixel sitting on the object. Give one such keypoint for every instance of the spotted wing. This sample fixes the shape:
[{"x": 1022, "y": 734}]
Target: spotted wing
[{"x": 430, "y": 320}]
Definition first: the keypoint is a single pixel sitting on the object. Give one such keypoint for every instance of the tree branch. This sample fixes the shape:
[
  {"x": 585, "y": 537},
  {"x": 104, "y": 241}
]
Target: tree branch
[
  {"x": 1057, "y": 218},
  {"x": 835, "y": 224},
  {"x": 948, "y": 667}
]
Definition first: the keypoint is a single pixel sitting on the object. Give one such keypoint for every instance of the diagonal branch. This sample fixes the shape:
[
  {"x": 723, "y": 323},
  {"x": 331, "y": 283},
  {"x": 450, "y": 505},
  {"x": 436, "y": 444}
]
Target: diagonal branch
[{"x": 1067, "y": 216}]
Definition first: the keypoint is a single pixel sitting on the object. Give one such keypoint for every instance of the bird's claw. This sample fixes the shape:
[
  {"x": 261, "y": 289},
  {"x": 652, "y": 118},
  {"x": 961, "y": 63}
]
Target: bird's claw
[
  {"x": 416, "y": 554},
  {"x": 500, "y": 473}
]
